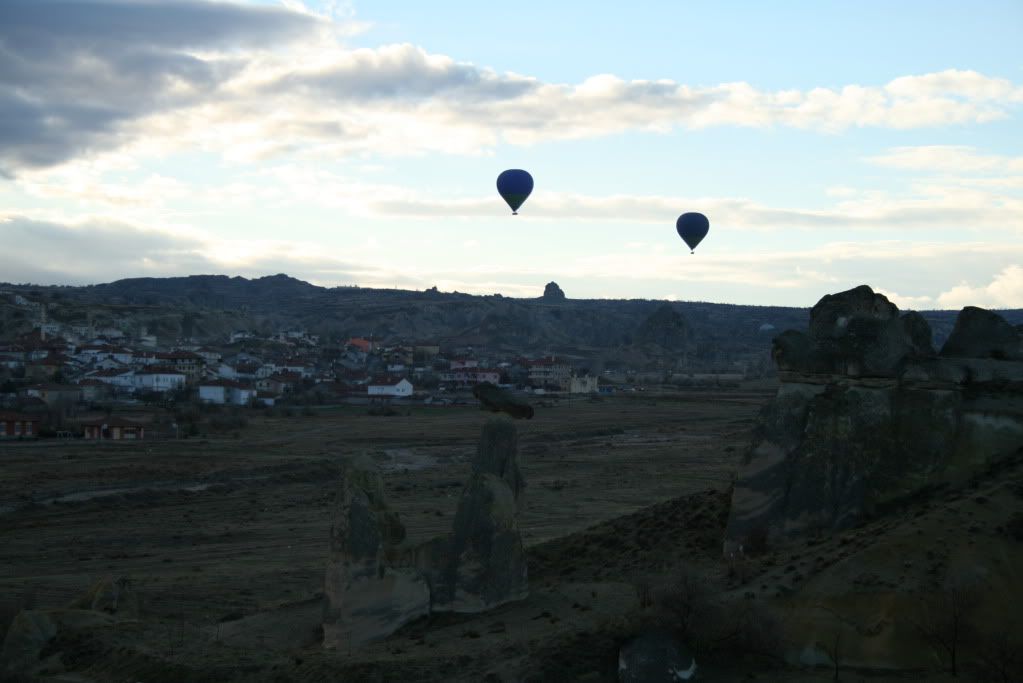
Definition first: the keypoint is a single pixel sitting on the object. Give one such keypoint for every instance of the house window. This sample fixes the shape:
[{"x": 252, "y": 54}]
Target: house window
[
  {"x": 17, "y": 429},
  {"x": 28, "y": 429}
]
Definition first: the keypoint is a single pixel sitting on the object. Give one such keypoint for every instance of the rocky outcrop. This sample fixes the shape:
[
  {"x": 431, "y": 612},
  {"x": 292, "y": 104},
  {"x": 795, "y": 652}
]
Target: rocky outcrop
[
  {"x": 27, "y": 648},
  {"x": 367, "y": 595},
  {"x": 482, "y": 563},
  {"x": 666, "y": 328},
  {"x": 375, "y": 583},
  {"x": 110, "y": 595},
  {"x": 552, "y": 292},
  {"x": 498, "y": 400},
  {"x": 868, "y": 415},
  {"x": 655, "y": 656},
  {"x": 983, "y": 334}
]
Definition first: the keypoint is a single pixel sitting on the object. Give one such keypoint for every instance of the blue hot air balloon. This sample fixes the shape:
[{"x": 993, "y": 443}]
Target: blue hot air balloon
[
  {"x": 692, "y": 228},
  {"x": 514, "y": 185}
]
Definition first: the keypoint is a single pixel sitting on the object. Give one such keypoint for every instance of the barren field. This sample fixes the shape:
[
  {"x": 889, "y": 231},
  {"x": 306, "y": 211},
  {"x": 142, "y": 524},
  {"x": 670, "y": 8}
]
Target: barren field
[{"x": 211, "y": 530}]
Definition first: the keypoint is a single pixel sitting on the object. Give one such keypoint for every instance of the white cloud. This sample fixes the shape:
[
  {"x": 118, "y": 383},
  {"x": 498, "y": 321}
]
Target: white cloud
[
  {"x": 250, "y": 83},
  {"x": 947, "y": 158},
  {"x": 1004, "y": 291},
  {"x": 930, "y": 206},
  {"x": 905, "y": 302},
  {"x": 83, "y": 252}
]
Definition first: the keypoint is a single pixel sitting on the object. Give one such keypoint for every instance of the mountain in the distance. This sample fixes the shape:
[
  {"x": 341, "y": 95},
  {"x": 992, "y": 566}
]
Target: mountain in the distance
[{"x": 712, "y": 336}]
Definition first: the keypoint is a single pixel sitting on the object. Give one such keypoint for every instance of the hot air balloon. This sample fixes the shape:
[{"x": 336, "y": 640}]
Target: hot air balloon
[
  {"x": 514, "y": 185},
  {"x": 692, "y": 228}
]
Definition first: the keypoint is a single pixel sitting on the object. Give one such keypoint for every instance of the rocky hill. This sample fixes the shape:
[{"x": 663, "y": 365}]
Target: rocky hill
[
  {"x": 647, "y": 333},
  {"x": 873, "y": 428}
]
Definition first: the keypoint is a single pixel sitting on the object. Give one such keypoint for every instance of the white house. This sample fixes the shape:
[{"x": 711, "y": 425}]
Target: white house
[
  {"x": 117, "y": 377},
  {"x": 108, "y": 363},
  {"x": 399, "y": 389},
  {"x": 226, "y": 392},
  {"x": 583, "y": 385},
  {"x": 158, "y": 379},
  {"x": 225, "y": 371}
]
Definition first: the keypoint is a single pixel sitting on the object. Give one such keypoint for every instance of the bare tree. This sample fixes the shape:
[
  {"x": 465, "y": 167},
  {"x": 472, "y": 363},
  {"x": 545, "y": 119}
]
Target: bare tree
[
  {"x": 833, "y": 649},
  {"x": 1002, "y": 657},
  {"x": 945, "y": 621}
]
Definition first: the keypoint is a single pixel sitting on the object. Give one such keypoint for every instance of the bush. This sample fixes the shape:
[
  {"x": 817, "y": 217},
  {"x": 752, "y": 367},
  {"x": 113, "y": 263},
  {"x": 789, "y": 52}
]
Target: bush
[{"x": 689, "y": 605}]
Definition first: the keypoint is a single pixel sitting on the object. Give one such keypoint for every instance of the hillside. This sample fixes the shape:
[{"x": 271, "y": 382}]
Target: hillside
[{"x": 639, "y": 333}]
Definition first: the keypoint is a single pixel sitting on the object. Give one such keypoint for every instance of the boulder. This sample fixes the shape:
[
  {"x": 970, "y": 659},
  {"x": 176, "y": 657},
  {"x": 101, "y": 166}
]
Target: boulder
[
  {"x": 110, "y": 595},
  {"x": 655, "y": 656},
  {"x": 982, "y": 334},
  {"x": 498, "y": 400},
  {"x": 856, "y": 333},
  {"x": 31, "y": 633},
  {"x": 830, "y": 317}
]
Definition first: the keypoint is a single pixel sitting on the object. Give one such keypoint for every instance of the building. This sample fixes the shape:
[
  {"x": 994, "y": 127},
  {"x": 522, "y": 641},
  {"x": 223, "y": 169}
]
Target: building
[
  {"x": 18, "y": 426},
  {"x": 550, "y": 372},
  {"x": 226, "y": 392},
  {"x": 388, "y": 387},
  {"x": 364, "y": 344},
  {"x": 209, "y": 356},
  {"x": 467, "y": 377},
  {"x": 113, "y": 428},
  {"x": 94, "y": 389},
  {"x": 115, "y": 377},
  {"x": 55, "y": 394},
  {"x": 158, "y": 378},
  {"x": 279, "y": 383},
  {"x": 188, "y": 363},
  {"x": 425, "y": 351},
  {"x": 583, "y": 385}
]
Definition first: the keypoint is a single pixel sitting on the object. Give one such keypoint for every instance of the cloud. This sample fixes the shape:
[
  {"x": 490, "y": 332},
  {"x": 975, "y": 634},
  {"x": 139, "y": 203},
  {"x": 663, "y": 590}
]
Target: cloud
[
  {"x": 85, "y": 77},
  {"x": 932, "y": 206},
  {"x": 49, "y": 252},
  {"x": 1004, "y": 291},
  {"x": 76, "y": 72},
  {"x": 947, "y": 158},
  {"x": 100, "y": 250}
]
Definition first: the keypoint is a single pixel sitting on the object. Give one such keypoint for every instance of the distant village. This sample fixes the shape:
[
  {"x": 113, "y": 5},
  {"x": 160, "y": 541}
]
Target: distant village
[{"x": 82, "y": 381}]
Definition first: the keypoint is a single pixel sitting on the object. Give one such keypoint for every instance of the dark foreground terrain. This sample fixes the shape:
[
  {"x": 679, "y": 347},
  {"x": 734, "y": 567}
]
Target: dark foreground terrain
[{"x": 622, "y": 493}]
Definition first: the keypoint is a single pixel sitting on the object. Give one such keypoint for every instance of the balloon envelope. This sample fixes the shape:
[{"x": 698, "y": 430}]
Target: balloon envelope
[
  {"x": 514, "y": 185},
  {"x": 692, "y": 228}
]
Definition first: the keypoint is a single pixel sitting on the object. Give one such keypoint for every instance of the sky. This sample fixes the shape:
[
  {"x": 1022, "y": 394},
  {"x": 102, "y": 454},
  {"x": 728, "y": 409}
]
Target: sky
[{"x": 358, "y": 143}]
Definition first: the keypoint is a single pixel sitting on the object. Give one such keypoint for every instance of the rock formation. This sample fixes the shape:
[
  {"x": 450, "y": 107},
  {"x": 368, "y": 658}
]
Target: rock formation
[
  {"x": 497, "y": 400},
  {"x": 666, "y": 328},
  {"x": 367, "y": 596},
  {"x": 552, "y": 292},
  {"x": 375, "y": 583},
  {"x": 868, "y": 415},
  {"x": 482, "y": 563},
  {"x": 655, "y": 656},
  {"x": 28, "y": 648}
]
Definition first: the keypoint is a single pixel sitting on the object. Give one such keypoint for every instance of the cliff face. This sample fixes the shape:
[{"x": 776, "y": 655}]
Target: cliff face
[{"x": 868, "y": 415}]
